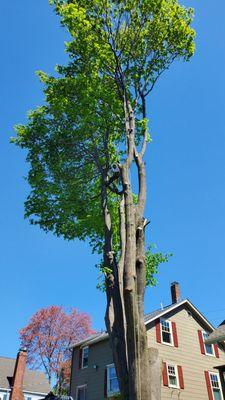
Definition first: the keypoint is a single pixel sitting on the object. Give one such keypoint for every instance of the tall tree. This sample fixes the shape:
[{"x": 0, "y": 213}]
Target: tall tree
[
  {"x": 48, "y": 336},
  {"x": 86, "y": 147}
]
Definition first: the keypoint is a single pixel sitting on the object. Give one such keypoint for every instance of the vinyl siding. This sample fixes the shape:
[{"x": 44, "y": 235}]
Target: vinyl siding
[
  {"x": 99, "y": 354},
  {"x": 187, "y": 354}
]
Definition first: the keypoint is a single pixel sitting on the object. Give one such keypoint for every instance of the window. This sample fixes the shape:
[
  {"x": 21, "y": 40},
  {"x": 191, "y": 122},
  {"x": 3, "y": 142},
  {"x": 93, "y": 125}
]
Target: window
[
  {"x": 81, "y": 392},
  {"x": 216, "y": 388},
  {"x": 172, "y": 376},
  {"x": 5, "y": 396},
  {"x": 166, "y": 332},
  {"x": 112, "y": 381},
  {"x": 85, "y": 352},
  {"x": 209, "y": 350}
]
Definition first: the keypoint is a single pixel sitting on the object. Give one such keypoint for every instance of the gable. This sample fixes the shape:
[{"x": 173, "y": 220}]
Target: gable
[{"x": 167, "y": 312}]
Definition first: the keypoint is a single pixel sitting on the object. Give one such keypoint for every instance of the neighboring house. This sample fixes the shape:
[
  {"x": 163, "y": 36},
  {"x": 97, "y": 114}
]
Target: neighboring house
[
  {"x": 19, "y": 383},
  {"x": 218, "y": 337},
  {"x": 178, "y": 332}
]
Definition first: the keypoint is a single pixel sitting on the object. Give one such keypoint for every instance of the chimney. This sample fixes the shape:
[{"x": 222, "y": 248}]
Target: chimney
[
  {"x": 18, "y": 376},
  {"x": 175, "y": 292}
]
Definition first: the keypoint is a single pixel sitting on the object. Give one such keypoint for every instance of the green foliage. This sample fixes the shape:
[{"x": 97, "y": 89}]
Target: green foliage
[
  {"x": 153, "y": 261},
  {"x": 103, "y": 273},
  {"x": 73, "y": 140}
]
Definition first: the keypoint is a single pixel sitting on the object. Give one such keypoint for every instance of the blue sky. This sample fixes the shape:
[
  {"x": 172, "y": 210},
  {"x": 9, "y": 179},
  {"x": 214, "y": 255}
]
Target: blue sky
[{"x": 186, "y": 175}]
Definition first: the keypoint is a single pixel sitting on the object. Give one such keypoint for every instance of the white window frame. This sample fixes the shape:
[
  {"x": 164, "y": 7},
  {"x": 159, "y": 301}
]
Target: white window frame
[
  {"x": 82, "y": 358},
  {"x": 171, "y": 332},
  {"x": 213, "y": 350},
  {"x": 81, "y": 387},
  {"x": 220, "y": 386},
  {"x": 168, "y": 364},
  {"x": 110, "y": 394}
]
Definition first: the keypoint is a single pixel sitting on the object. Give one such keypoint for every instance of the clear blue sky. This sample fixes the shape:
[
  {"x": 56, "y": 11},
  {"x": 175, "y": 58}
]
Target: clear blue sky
[{"x": 186, "y": 166}]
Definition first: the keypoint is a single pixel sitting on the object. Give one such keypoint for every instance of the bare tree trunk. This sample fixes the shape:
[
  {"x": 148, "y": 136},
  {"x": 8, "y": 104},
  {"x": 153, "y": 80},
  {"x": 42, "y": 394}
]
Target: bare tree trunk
[
  {"x": 125, "y": 285},
  {"x": 114, "y": 317}
]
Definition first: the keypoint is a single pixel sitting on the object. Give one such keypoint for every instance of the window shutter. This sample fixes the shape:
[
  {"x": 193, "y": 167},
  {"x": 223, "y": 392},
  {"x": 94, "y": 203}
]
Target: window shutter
[
  {"x": 175, "y": 338},
  {"x": 181, "y": 376},
  {"x": 105, "y": 384},
  {"x": 216, "y": 351},
  {"x": 164, "y": 375},
  {"x": 80, "y": 358},
  {"x": 208, "y": 384},
  {"x": 202, "y": 347},
  {"x": 158, "y": 330}
]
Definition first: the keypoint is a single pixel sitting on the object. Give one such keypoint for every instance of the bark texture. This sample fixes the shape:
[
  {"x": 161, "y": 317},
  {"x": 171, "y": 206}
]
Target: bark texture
[{"x": 126, "y": 281}]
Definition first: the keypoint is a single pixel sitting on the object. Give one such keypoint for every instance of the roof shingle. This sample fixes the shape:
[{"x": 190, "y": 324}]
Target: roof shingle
[{"x": 34, "y": 381}]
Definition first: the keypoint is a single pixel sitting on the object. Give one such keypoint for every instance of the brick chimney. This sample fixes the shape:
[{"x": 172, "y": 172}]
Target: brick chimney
[
  {"x": 18, "y": 376},
  {"x": 175, "y": 292}
]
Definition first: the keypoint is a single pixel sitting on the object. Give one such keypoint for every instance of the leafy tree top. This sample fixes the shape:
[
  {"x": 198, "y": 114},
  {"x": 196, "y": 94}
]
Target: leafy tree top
[
  {"x": 118, "y": 50},
  {"x": 49, "y": 334}
]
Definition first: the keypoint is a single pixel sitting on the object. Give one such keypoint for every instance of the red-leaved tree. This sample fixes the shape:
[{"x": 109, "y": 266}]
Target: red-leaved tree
[{"x": 49, "y": 334}]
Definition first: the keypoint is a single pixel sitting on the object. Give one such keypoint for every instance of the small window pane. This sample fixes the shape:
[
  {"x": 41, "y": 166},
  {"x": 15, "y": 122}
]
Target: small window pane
[
  {"x": 81, "y": 393},
  {"x": 214, "y": 381},
  {"x": 4, "y": 396},
  {"x": 85, "y": 352},
  {"x": 113, "y": 385},
  {"x": 216, "y": 387},
  {"x": 208, "y": 347},
  {"x": 217, "y": 394},
  {"x": 172, "y": 376},
  {"x": 166, "y": 333}
]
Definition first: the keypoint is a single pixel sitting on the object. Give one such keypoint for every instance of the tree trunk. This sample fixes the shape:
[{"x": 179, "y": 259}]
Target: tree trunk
[{"x": 125, "y": 286}]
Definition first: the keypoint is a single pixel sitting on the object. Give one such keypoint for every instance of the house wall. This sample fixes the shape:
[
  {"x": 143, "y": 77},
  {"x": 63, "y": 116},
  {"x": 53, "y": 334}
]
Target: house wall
[
  {"x": 100, "y": 355},
  {"x": 188, "y": 355},
  {"x": 32, "y": 396}
]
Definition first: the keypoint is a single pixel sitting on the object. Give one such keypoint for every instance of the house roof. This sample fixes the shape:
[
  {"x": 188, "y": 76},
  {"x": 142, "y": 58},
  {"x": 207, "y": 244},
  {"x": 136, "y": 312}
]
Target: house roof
[
  {"x": 218, "y": 335},
  {"x": 149, "y": 318},
  {"x": 34, "y": 381}
]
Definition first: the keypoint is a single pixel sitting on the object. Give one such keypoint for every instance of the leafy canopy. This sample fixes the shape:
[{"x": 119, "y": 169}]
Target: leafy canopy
[
  {"x": 117, "y": 48},
  {"x": 49, "y": 334}
]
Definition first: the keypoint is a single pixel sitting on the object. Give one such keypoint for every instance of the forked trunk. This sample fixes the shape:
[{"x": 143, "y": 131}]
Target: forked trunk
[{"x": 125, "y": 285}]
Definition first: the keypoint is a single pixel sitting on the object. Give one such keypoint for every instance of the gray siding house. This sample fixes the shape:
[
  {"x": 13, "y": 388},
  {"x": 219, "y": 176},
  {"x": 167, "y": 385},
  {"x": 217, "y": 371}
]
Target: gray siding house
[
  {"x": 17, "y": 381},
  {"x": 178, "y": 332}
]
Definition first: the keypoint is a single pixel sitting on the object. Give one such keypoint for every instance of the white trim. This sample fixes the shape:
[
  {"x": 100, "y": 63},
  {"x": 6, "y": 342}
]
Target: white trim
[
  {"x": 206, "y": 344},
  {"x": 171, "y": 332},
  {"x": 110, "y": 394},
  {"x": 159, "y": 315},
  {"x": 169, "y": 309},
  {"x": 168, "y": 364},
  {"x": 220, "y": 387},
  {"x": 96, "y": 339},
  {"x": 80, "y": 387},
  {"x": 26, "y": 391},
  {"x": 82, "y": 357}
]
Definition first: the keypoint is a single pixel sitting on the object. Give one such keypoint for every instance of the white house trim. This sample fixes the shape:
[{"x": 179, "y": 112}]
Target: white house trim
[
  {"x": 186, "y": 301},
  {"x": 80, "y": 387},
  {"x": 104, "y": 336}
]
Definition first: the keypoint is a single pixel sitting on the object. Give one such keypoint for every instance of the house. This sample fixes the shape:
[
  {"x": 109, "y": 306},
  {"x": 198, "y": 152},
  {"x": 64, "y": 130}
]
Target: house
[
  {"x": 178, "y": 332},
  {"x": 19, "y": 383},
  {"x": 216, "y": 337}
]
